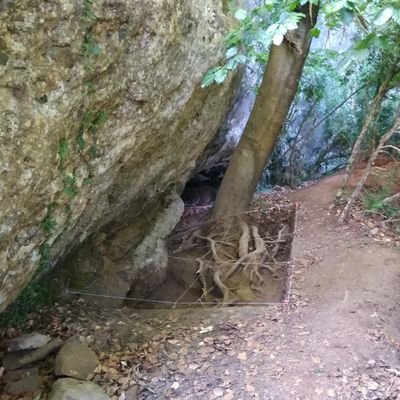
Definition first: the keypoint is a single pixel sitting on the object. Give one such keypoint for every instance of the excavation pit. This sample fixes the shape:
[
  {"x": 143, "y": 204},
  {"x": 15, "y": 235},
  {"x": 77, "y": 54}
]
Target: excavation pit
[{"x": 241, "y": 260}]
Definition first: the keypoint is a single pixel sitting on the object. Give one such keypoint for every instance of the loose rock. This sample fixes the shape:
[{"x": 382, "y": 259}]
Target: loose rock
[
  {"x": 28, "y": 385},
  {"x": 73, "y": 389},
  {"x": 28, "y": 342},
  {"x": 20, "y": 359},
  {"x": 16, "y": 375},
  {"x": 76, "y": 360},
  {"x": 132, "y": 393}
]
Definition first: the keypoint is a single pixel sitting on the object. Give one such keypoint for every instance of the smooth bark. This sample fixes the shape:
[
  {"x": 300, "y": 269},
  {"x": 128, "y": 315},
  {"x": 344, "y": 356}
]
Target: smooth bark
[
  {"x": 392, "y": 200},
  {"x": 276, "y": 93},
  {"x": 369, "y": 120},
  {"x": 385, "y": 138}
]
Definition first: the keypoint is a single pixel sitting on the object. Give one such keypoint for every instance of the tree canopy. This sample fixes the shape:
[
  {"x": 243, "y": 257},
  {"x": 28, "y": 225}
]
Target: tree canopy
[
  {"x": 376, "y": 24},
  {"x": 371, "y": 28}
]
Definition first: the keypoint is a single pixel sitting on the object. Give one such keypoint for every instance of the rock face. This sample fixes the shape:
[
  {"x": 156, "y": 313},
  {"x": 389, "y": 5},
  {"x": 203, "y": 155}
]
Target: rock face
[
  {"x": 101, "y": 116},
  {"x": 201, "y": 195}
]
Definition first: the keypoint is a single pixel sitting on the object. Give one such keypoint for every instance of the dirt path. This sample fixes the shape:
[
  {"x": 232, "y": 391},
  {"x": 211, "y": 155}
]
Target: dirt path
[
  {"x": 352, "y": 290},
  {"x": 338, "y": 339}
]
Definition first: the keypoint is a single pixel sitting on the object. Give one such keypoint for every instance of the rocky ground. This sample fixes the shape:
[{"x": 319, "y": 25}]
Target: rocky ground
[{"x": 337, "y": 338}]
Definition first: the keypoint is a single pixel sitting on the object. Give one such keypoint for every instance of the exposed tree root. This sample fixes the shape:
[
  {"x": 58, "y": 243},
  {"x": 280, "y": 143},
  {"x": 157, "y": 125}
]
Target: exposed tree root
[
  {"x": 201, "y": 272},
  {"x": 221, "y": 286},
  {"x": 244, "y": 239},
  {"x": 278, "y": 242},
  {"x": 213, "y": 245},
  {"x": 237, "y": 259},
  {"x": 239, "y": 263}
]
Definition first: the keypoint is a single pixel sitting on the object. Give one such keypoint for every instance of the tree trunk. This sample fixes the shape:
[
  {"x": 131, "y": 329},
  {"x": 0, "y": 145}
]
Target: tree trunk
[
  {"x": 395, "y": 127},
  {"x": 392, "y": 200},
  {"x": 277, "y": 90},
  {"x": 369, "y": 120}
]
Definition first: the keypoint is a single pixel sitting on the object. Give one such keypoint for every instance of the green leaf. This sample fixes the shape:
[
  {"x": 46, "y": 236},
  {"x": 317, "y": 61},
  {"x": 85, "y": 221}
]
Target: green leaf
[
  {"x": 366, "y": 42},
  {"x": 282, "y": 29},
  {"x": 231, "y": 64},
  {"x": 384, "y": 16},
  {"x": 396, "y": 16},
  {"x": 220, "y": 75},
  {"x": 291, "y": 26},
  {"x": 241, "y": 59},
  {"x": 240, "y": 14},
  {"x": 346, "y": 16},
  {"x": 315, "y": 32},
  {"x": 208, "y": 77},
  {"x": 233, "y": 38},
  {"x": 335, "y": 6},
  {"x": 361, "y": 55},
  {"x": 277, "y": 39},
  {"x": 231, "y": 52}
]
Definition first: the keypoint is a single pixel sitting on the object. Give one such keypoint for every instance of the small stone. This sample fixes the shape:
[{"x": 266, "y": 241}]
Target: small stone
[
  {"x": 16, "y": 375},
  {"x": 374, "y": 231},
  {"x": 73, "y": 389},
  {"x": 372, "y": 385},
  {"x": 132, "y": 393},
  {"x": 23, "y": 358},
  {"x": 12, "y": 360},
  {"x": 76, "y": 360},
  {"x": 218, "y": 392},
  {"x": 250, "y": 388},
  {"x": 331, "y": 393},
  {"x": 175, "y": 386},
  {"x": 27, "y": 385},
  {"x": 28, "y": 342}
]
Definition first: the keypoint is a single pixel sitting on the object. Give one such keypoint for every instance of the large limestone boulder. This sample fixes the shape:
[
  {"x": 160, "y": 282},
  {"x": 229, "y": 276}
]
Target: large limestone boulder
[{"x": 101, "y": 115}]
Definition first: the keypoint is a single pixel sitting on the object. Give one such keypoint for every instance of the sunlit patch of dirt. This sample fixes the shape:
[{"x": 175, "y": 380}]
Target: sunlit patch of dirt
[{"x": 385, "y": 174}]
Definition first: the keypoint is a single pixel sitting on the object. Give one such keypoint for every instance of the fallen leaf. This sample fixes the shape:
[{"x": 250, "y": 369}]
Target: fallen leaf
[
  {"x": 175, "y": 386},
  {"x": 316, "y": 360},
  {"x": 331, "y": 392},
  {"x": 206, "y": 329},
  {"x": 372, "y": 385},
  {"x": 250, "y": 388},
  {"x": 228, "y": 396}
]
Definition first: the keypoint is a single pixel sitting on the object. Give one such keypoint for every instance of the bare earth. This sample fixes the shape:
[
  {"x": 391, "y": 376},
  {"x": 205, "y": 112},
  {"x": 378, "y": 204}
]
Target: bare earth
[{"x": 337, "y": 339}]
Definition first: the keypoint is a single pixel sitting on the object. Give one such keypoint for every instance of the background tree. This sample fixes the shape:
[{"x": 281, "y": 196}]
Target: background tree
[
  {"x": 288, "y": 27},
  {"x": 274, "y": 98}
]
